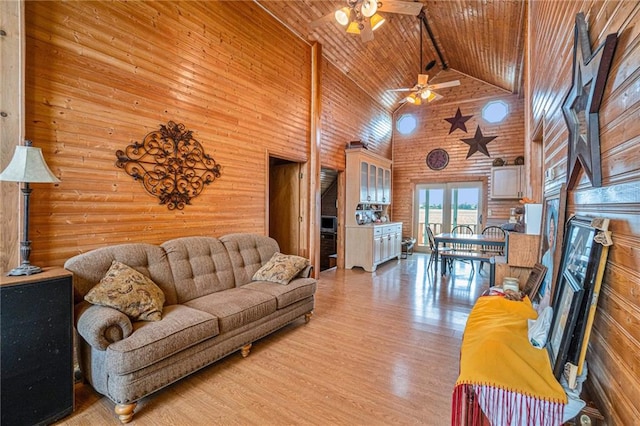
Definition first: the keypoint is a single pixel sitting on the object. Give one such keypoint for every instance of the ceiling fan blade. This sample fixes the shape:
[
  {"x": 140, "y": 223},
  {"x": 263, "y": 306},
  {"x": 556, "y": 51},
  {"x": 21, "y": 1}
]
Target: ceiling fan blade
[
  {"x": 366, "y": 33},
  {"x": 321, "y": 21},
  {"x": 435, "y": 97},
  {"x": 445, "y": 84},
  {"x": 403, "y": 7},
  {"x": 422, "y": 79},
  {"x": 406, "y": 89}
]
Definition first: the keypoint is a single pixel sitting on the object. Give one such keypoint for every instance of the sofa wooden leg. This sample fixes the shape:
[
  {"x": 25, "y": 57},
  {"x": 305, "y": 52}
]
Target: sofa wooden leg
[
  {"x": 307, "y": 317},
  {"x": 125, "y": 412},
  {"x": 245, "y": 350}
]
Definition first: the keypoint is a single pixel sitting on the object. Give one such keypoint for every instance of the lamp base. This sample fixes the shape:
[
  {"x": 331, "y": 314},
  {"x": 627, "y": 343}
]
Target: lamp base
[{"x": 25, "y": 269}]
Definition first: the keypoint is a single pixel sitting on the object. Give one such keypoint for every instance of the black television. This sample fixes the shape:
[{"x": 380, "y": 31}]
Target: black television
[{"x": 328, "y": 224}]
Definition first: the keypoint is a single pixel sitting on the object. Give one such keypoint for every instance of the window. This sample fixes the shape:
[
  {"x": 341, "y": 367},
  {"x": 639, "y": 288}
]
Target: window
[
  {"x": 495, "y": 111},
  {"x": 406, "y": 124}
]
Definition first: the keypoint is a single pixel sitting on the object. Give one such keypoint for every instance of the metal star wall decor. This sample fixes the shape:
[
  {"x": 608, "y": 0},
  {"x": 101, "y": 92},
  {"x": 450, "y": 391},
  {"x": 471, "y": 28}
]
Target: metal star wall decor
[
  {"x": 171, "y": 165},
  {"x": 580, "y": 108},
  {"x": 478, "y": 143},
  {"x": 458, "y": 121}
]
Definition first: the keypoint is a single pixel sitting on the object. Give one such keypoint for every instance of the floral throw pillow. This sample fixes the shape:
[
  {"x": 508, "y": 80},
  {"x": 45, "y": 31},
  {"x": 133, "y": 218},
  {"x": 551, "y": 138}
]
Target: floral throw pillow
[
  {"x": 281, "y": 268},
  {"x": 129, "y": 291}
]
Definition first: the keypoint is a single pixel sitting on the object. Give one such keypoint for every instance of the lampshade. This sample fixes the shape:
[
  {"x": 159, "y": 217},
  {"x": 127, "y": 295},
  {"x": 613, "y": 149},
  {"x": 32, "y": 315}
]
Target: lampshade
[
  {"x": 342, "y": 15},
  {"x": 28, "y": 165},
  {"x": 369, "y": 8},
  {"x": 376, "y": 21},
  {"x": 353, "y": 28}
]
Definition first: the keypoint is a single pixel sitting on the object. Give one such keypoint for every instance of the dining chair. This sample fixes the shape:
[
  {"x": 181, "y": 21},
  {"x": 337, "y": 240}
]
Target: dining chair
[
  {"x": 496, "y": 232},
  {"x": 432, "y": 246},
  {"x": 464, "y": 230}
]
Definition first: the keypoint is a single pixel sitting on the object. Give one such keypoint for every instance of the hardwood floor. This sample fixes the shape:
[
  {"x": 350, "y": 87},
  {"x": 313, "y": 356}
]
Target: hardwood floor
[{"x": 381, "y": 349}]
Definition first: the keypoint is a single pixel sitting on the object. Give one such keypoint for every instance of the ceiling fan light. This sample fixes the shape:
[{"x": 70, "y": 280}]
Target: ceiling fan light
[
  {"x": 376, "y": 21},
  {"x": 342, "y": 16},
  {"x": 431, "y": 97},
  {"x": 353, "y": 28},
  {"x": 411, "y": 99},
  {"x": 369, "y": 8},
  {"x": 425, "y": 94}
]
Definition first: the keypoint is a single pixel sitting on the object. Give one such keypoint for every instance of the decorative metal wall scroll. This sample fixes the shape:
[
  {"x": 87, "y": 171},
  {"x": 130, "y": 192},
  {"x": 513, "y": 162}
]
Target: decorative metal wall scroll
[
  {"x": 171, "y": 165},
  {"x": 581, "y": 106}
]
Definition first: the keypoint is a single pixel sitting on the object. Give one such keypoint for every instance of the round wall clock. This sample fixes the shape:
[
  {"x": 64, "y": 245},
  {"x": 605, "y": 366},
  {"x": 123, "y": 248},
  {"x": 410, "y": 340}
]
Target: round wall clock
[{"x": 437, "y": 159}]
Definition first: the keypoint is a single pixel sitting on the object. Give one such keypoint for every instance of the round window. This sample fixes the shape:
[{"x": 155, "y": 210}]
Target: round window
[
  {"x": 495, "y": 111},
  {"x": 406, "y": 124}
]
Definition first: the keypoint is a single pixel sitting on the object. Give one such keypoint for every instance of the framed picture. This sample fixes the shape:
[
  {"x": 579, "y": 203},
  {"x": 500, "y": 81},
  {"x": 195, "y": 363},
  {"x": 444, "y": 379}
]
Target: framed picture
[
  {"x": 552, "y": 236},
  {"x": 593, "y": 273},
  {"x": 534, "y": 281},
  {"x": 565, "y": 313}
]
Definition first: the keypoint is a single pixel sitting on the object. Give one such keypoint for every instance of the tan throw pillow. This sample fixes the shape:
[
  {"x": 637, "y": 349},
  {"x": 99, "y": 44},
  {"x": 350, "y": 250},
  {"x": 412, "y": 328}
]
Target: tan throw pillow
[
  {"x": 281, "y": 268},
  {"x": 129, "y": 291}
]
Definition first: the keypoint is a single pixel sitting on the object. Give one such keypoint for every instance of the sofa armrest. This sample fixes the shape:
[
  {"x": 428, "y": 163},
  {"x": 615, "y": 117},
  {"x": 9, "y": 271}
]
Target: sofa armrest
[{"x": 101, "y": 326}]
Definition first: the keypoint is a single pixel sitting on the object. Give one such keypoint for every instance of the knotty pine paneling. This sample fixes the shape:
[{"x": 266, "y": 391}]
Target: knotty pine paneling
[
  {"x": 410, "y": 151},
  {"x": 613, "y": 379},
  {"x": 101, "y": 75},
  {"x": 349, "y": 114}
]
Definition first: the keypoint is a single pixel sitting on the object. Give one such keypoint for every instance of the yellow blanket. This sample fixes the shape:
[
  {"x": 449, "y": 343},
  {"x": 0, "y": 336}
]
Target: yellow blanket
[{"x": 496, "y": 351}]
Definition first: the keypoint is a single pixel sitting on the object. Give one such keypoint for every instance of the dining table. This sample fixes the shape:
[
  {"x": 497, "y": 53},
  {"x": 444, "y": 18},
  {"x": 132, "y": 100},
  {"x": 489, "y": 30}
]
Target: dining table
[{"x": 477, "y": 241}]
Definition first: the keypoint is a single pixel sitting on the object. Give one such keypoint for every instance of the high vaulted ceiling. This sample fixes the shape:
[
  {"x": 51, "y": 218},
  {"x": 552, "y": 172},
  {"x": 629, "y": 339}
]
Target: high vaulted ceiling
[{"x": 483, "y": 39}]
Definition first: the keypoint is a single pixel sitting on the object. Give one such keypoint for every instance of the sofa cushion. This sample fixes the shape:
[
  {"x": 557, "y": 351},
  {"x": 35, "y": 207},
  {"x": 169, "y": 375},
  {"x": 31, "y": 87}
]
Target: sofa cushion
[
  {"x": 200, "y": 266},
  {"x": 130, "y": 292},
  {"x": 235, "y": 307},
  {"x": 285, "y": 295},
  {"x": 89, "y": 268},
  {"x": 248, "y": 252},
  {"x": 281, "y": 268},
  {"x": 180, "y": 327}
]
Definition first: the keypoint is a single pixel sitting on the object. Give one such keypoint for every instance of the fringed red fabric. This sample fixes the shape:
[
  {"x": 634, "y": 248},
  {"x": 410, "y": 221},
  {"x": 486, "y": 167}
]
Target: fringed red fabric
[{"x": 487, "y": 405}]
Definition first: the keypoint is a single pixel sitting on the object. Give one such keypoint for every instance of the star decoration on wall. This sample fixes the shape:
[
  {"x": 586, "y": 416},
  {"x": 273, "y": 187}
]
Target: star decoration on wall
[
  {"x": 457, "y": 121},
  {"x": 478, "y": 143},
  {"x": 580, "y": 108}
]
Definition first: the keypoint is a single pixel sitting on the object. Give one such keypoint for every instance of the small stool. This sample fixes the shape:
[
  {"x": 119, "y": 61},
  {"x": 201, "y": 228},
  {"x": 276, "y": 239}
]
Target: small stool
[
  {"x": 406, "y": 247},
  {"x": 333, "y": 260}
]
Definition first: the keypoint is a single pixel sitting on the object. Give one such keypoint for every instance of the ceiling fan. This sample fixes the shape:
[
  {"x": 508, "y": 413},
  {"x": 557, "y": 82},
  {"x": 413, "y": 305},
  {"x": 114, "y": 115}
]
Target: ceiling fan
[
  {"x": 362, "y": 17},
  {"x": 423, "y": 91}
]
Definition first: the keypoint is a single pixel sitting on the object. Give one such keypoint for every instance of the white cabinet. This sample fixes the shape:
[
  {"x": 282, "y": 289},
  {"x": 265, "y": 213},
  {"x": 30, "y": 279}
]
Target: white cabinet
[
  {"x": 368, "y": 178},
  {"x": 507, "y": 182},
  {"x": 370, "y": 245},
  {"x": 368, "y": 195}
]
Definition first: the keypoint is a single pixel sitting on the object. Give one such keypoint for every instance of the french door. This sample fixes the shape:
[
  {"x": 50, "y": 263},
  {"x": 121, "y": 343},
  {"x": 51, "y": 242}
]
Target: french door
[{"x": 443, "y": 206}]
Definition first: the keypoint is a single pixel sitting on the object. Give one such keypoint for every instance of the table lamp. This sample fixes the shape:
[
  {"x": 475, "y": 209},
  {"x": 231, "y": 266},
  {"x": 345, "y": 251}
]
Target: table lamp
[{"x": 27, "y": 166}]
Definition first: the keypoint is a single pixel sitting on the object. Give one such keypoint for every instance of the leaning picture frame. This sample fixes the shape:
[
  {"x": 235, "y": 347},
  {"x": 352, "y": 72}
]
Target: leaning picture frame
[
  {"x": 534, "y": 280},
  {"x": 550, "y": 249},
  {"x": 592, "y": 282},
  {"x": 565, "y": 312}
]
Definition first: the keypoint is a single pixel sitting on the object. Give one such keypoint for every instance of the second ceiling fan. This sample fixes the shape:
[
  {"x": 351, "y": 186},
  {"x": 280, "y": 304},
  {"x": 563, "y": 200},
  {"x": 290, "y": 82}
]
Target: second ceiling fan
[
  {"x": 362, "y": 17},
  {"x": 422, "y": 91}
]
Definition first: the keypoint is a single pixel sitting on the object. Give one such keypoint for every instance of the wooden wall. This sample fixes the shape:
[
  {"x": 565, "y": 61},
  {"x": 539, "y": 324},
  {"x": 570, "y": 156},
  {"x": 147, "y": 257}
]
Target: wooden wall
[
  {"x": 348, "y": 114},
  {"x": 612, "y": 357},
  {"x": 410, "y": 151},
  {"x": 101, "y": 75}
]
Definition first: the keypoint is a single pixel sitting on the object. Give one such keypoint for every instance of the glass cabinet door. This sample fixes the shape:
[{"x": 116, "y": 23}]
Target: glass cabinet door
[
  {"x": 380, "y": 185},
  {"x": 364, "y": 181},
  {"x": 372, "y": 183}
]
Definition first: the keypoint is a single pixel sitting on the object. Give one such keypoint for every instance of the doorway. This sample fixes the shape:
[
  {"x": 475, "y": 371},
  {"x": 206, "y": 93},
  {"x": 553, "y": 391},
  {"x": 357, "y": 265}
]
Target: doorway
[
  {"x": 284, "y": 204},
  {"x": 328, "y": 218},
  {"x": 443, "y": 206}
]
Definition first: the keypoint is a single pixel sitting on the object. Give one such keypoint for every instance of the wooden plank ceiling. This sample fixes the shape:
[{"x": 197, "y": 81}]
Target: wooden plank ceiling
[{"x": 483, "y": 39}]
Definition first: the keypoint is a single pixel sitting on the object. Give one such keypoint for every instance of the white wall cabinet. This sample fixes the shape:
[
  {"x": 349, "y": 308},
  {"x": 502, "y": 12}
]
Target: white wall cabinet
[
  {"x": 368, "y": 178},
  {"x": 370, "y": 245},
  {"x": 507, "y": 182}
]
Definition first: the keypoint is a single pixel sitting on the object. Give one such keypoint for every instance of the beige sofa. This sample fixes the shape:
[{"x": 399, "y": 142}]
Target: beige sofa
[{"x": 212, "y": 308}]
